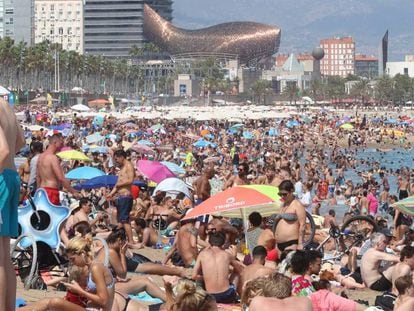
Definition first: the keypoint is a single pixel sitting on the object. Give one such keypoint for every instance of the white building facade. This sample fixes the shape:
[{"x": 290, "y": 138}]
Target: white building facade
[
  {"x": 403, "y": 68},
  {"x": 60, "y": 21}
]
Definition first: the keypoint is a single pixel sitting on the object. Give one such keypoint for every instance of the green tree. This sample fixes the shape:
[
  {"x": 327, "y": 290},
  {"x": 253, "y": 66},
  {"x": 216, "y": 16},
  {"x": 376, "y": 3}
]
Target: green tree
[
  {"x": 260, "y": 89},
  {"x": 291, "y": 92}
]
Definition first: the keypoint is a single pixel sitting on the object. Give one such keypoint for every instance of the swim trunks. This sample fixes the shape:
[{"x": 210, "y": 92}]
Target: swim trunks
[
  {"x": 123, "y": 208},
  {"x": 228, "y": 296},
  {"x": 9, "y": 200},
  {"x": 381, "y": 285},
  {"x": 53, "y": 195}
]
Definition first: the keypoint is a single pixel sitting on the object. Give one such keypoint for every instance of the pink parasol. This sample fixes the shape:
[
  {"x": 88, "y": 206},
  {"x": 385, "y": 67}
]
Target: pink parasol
[{"x": 154, "y": 170}]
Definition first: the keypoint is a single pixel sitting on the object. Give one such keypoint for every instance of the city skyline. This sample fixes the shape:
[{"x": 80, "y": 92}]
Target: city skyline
[{"x": 364, "y": 20}]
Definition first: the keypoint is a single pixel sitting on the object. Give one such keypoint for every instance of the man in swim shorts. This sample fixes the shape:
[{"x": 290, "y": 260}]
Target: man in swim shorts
[
  {"x": 50, "y": 176},
  {"x": 11, "y": 141}
]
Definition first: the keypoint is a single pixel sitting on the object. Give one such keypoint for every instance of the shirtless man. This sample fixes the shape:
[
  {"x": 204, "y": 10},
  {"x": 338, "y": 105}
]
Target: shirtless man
[
  {"x": 404, "y": 267},
  {"x": 213, "y": 266},
  {"x": 49, "y": 176},
  {"x": 202, "y": 190},
  {"x": 49, "y": 172},
  {"x": 269, "y": 178},
  {"x": 403, "y": 185},
  {"x": 240, "y": 178},
  {"x": 254, "y": 270},
  {"x": 185, "y": 243},
  {"x": 370, "y": 264},
  {"x": 11, "y": 141},
  {"x": 202, "y": 187},
  {"x": 122, "y": 189}
]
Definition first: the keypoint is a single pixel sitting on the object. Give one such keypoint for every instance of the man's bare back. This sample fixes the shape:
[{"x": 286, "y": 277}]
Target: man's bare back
[
  {"x": 251, "y": 272},
  {"x": 370, "y": 265},
  {"x": 187, "y": 244},
  {"x": 215, "y": 266}
]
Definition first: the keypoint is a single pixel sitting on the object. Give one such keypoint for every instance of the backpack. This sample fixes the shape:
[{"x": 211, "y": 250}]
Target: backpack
[{"x": 385, "y": 301}]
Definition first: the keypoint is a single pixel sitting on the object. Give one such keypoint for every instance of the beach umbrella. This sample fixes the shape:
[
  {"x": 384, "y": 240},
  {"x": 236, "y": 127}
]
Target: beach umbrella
[
  {"x": 405, "y": 206},
  {"x": 80, "y": 107},
  {"x": 94, "y": 138},
  {"x": 173, "y": 167},
  {"x": 98, "y": 102},
  {"x": 156, "y": 127},
  {"x": 236, "y": 126},
  {"x": 144, "y": 149},
  {"x": 239, "y": 202},
  {"x": 203, "y": 143},
  {"x": 145, "y": 142},
  {"x": 273, "y": 132},
  {"x": 248, "y": 135},
  {"x": 84, "y": 172},
  {"x": 105, "y": 181},
  {"x": 347, "y": 126},
  {"x": 192, "y": 136},
  {"x": 391, "y": 121},
  {"x": 4, "y": 91},
  {"x": 211, "y": 159},
  {"x": 36, "y": 128},
  {"x": 292, "y": 123},
  {"x": 99, "y": 149},
  {"x": 73, "y": 155},
  {"x": 172, "y": 185},
  {"x": 154, "y": 170},
  {"x": 204, "y": 132},
  {"x": 98, "y": 120}
]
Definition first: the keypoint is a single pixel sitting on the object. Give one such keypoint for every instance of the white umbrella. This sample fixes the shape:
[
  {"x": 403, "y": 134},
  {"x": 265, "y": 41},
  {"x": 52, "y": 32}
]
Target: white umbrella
[
  {"x": 4, "y": 91},
  {"x": 80, "y": 107},
  {"x": 173, "y": 185}
]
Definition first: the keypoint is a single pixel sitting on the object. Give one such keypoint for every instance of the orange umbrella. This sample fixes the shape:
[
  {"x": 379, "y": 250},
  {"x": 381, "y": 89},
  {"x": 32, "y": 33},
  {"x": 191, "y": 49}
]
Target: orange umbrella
[
  {"x": 98, "y": 103},
  {"x": 204, "y": 132},
  {"x": 239, "y": 202}
]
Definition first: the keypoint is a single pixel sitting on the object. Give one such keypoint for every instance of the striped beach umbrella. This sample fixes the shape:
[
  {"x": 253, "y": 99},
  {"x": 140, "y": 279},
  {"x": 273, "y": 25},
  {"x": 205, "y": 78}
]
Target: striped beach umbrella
[{"x": 405, "y": 206}]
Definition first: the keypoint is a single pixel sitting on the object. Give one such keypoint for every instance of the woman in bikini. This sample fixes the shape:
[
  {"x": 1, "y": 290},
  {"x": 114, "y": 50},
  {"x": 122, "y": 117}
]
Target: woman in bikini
[{"x": 290, "y": 229}]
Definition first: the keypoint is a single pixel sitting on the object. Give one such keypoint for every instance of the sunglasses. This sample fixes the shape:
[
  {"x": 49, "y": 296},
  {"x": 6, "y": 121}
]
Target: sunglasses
[
  {"x": 283, "y": 194},
  {"x": 211, "y": 230}
]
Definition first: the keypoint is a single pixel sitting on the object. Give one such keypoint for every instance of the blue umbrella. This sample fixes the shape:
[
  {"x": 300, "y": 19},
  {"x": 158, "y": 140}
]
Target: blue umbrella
[
  {"x": 105, "y": 181},
  {"x": 248, "y": 135},
  {"x": 94, "y": 138},
  {"x": 391, "y": 121},
  {"x": 292, "y": 123},
  {"x": 100, "y": 149},
  {"x": 84, "y": 172},
  {"x": 173, "y": 167},
  {"x": 60, "y": 127},
  {"x": 203, "y": 143},
  {"x": 98, "y": 120},
  {"x": 273, "y": 132}
]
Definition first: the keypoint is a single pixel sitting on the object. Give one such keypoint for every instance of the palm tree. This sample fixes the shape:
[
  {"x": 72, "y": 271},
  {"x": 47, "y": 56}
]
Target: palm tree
[{"x": 291, "y": 91}]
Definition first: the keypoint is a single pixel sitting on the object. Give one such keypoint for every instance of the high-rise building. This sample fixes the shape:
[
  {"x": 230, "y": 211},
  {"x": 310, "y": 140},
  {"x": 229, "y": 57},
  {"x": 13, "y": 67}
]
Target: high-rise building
[
  {"x": 366, "y": 66},
  {"x": 17, "y": 20},
  {"x": 112, "y": 28},
  {"x": 383, "y": 55},
  {"x": 339, "y": 57},
  {"x": 60, "y": 21}
]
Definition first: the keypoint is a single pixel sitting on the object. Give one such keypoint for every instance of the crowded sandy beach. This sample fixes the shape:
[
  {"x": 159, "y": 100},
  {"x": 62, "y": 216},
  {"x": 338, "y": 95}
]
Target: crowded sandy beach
[{"x": 207, "y": 207}]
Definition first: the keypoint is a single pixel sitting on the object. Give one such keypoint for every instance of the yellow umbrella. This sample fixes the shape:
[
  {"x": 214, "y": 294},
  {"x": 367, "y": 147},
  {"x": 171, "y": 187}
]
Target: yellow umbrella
[
  {"x": 347, "y": 126},
  {"x": 73, "y": 155}
]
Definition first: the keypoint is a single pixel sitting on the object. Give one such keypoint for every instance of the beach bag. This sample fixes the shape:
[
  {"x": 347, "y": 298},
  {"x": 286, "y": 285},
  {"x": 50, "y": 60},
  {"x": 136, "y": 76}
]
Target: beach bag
[{"x": 386, "y": 301}]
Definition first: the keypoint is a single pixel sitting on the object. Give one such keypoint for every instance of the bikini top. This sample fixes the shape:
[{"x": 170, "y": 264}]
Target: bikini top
[
  {"x": 288, "y": 216},
  {"x": 91, "y": 286}
]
